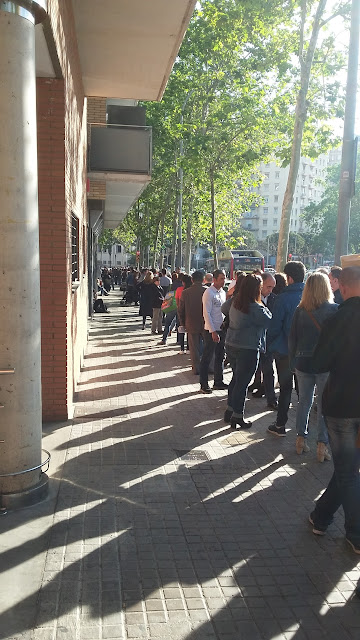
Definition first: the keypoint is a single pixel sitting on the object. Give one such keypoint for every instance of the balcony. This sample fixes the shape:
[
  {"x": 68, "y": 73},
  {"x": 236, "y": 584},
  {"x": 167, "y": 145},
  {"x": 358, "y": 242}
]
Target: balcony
[
  {"x": 120, "y": 153},
  {"x": 120, "y": 156}
]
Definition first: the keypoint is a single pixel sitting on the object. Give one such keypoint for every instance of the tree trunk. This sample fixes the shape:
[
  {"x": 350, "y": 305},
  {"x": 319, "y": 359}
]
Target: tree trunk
[
  {"x": 156, "y": 244},
  {"x": 173, "y": 248},
  {"x": 300, "y": 118},
  {"x": 188, "y": 244},
  {"x": 213, "y": 220}
]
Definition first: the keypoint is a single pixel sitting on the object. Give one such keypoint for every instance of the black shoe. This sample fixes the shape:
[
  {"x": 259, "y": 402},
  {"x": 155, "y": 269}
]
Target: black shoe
[
  {"x": 227, "y": 416},
  {"x": 221, "y": 386},
  {"x": 205, "y": 390},
  {"x": 277, "y": 431},
  {"x": 259, "y": 393},
  {"x": 272, "y": 405},
  {"x": 239, "y": 423}
]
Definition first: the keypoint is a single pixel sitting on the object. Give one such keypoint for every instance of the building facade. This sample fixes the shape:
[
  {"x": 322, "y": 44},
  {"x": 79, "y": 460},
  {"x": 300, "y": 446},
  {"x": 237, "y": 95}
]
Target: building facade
[
  {"x": 75, "y": 155},
  {"x": 264, "y": 219}
]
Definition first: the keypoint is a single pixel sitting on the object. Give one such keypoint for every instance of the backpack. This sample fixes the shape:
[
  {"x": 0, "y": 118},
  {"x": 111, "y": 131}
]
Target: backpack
[{"x": 99, "y": 306}]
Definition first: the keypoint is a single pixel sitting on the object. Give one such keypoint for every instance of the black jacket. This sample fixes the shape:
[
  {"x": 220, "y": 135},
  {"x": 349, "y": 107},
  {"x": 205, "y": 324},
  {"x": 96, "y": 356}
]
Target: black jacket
[{"x": 338, "y": 351}]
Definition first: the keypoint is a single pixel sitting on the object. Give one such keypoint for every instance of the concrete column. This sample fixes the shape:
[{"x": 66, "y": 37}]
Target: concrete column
[{"x": 20, "y": 364}]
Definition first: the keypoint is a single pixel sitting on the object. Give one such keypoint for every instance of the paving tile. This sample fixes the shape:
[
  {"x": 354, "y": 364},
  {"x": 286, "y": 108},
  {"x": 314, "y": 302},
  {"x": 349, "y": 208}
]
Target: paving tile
[{"x": 141, "y": 544}]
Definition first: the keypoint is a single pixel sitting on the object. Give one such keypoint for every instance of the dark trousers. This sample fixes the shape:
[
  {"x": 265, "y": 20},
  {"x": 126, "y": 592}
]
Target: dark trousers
[
  {"x": 344, "y": 486},
  {"x": 243, "y": 363},
  {"x": 285, "y": 377},
  {"x": 211, "y": 348},
  {"x": 267, "y": 368},
  {"x": 196, "y": 342}
]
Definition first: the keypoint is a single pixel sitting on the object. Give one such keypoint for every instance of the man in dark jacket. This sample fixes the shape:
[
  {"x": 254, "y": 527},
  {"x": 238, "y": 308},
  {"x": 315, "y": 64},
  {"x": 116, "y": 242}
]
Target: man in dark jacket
[
  {"x": 191, "y": 317},
  {"x": 338, "y": 351},
  {"x": 277, "y": 339}
]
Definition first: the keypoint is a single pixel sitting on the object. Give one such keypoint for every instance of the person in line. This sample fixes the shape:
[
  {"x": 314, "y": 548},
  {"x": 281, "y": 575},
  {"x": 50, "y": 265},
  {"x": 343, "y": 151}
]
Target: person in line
[
  {"x": 281, "y": 283},
  {"x": 208, "y": 280},
  {"x": 191, "y": 317},
  {"x": 146, "y": 298},
  {"x": 338, "y": 351},
  {"x": 165, "y": 281},
  {"x": 214, "y": 336},
  {"x": 315, "y": 307},
  {"x": 248, "y": 321},
  {"x": 264, "y": 384},
  {"x": 157, "y": 300},
  {"x": 334, "y": 276},
  {"x": 277, "y": 340}
]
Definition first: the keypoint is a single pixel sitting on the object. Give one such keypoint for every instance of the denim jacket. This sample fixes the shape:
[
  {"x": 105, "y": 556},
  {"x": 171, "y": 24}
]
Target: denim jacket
[
  {"x": 247, "y": 330},
  {"x": 304, "y": 336},
  {"x": 283, "y": 311}
]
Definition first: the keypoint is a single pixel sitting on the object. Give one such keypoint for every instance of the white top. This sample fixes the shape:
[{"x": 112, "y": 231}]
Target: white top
[{"x": 212, "y": 300}]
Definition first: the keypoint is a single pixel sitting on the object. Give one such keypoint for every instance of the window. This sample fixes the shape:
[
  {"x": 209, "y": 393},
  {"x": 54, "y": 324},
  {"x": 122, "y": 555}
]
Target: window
[
  {"x": 276, "y": 198},
  {"x": 276, "y": 209},
  {"x": 74, "y": 248},
  {"x": 266, "y": 211},
  {"x": 276, "y": 186},
  {"x": 264, "y": 233},
  {"x": 267, "y": 176},
  {"x": 118, "y": 248},
  {"x": 264, "y": 223},
  {"x": 275, "y": 222},
  {"x": 266, "y": 187},
  {"x": 266, "y": 199}
]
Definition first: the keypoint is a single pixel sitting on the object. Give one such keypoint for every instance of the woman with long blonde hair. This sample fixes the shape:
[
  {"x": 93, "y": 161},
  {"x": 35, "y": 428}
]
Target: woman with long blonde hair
[{"x": 316, "y": 305}]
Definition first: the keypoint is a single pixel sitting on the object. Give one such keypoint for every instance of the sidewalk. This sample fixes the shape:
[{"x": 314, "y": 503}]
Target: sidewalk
[{"x": 163, "y": 523}]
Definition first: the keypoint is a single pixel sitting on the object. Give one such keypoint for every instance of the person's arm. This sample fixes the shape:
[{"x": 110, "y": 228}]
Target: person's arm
[
  {"x": 225, "y": 308},
  {"x": 181, "y": 311},
  {"x": 207, "y": 308},
  {"x": 261, "y": 315},
  {"x": 293, "y": 337},
  {"x": 328, "y": 346},
  {"x": 276, "y": 325}
]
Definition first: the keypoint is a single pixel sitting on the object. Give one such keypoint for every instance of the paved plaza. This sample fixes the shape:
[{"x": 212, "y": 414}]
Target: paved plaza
[{"x": 163, "y": 523}]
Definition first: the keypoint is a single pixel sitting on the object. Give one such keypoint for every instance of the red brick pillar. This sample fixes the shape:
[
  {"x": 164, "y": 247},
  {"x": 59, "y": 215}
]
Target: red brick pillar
[{"x": 52, "y": 229}]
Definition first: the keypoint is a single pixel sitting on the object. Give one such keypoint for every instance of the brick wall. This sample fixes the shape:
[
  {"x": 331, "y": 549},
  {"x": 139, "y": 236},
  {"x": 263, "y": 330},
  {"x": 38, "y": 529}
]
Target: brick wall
[
  {"x": 52, "y": 229},
  {"x": 63, "y": 192}
]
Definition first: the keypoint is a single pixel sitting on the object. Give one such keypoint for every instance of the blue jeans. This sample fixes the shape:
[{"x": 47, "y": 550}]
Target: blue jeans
[
  {"x": 211, "y": 347},
  {"x": 170, "y": 317},
  {"x": 344, "y": 486},
  {"x": 306, "y": 384},
  {"x": 244, "y": 363}
]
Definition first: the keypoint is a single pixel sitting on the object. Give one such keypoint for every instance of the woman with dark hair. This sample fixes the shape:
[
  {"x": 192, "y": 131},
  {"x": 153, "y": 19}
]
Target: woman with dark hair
[
  {"x": 248, "y": 321},
  {"x": 281, "y": 283}
]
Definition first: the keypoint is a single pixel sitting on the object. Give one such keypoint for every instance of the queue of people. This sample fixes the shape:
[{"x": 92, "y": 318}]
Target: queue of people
[{"x": 307, "y": 329}]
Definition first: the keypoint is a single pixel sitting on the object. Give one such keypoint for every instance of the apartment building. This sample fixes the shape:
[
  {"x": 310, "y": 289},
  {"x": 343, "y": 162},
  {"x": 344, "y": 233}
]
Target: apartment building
[
  {"x": 264, "y": 219},
  {"x": 117, "y": 257}
]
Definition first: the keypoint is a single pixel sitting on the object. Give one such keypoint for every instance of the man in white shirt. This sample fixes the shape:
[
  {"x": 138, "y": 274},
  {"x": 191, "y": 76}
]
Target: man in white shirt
[{"x": 214, "y": 337}]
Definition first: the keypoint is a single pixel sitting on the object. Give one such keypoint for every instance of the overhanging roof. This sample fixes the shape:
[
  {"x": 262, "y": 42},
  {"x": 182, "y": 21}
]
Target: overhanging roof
[{"x": 127, "y": 48}]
